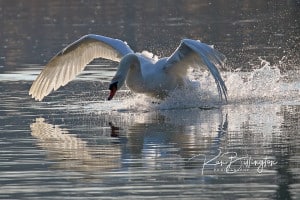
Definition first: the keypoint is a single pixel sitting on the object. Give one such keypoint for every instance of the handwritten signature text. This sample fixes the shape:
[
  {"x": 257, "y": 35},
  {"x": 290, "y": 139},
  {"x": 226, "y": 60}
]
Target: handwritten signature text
[{"x": 231, "y": 162}]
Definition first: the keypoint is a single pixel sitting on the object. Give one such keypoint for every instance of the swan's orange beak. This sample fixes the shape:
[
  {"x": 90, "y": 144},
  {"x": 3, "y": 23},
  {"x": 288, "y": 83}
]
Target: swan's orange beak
[{"x": 113, "y": 89}]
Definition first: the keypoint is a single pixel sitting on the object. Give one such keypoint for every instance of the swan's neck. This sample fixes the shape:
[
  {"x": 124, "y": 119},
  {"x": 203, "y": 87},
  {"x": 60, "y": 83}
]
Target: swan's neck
[{"x": 129, "y": 70}]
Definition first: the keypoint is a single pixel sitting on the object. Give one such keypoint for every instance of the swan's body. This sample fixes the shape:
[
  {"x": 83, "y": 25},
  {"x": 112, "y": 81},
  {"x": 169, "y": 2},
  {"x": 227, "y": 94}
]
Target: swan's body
[{"x": 142, "y": 74}]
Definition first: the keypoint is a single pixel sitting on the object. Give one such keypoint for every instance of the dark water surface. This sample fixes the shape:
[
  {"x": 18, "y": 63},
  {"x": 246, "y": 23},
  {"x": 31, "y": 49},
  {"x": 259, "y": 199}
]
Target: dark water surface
[{"x": 77, "y": 145}]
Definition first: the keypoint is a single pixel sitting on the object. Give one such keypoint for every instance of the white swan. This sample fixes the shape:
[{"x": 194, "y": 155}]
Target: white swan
[{"x": 143, "y": 74}]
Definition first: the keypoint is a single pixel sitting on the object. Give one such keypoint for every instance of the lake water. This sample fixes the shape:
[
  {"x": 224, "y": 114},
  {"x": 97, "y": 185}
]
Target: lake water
[{"x": 77, "y": 145}]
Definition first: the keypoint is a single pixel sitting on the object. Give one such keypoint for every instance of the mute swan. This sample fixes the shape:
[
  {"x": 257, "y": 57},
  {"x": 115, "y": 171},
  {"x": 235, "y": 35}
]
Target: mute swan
[{"x": 143, "y": 74}]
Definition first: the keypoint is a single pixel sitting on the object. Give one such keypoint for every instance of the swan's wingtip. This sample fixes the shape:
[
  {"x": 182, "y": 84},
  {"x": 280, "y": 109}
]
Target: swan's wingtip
[{"x": 36, "y": 98}]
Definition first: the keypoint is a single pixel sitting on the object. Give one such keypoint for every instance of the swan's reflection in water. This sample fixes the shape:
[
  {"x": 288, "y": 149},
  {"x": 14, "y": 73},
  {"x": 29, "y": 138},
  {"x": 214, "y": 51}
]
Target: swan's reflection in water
[
  {"x": 153, "y": 141},
  {"x": 69, "y": 152},
  {"x": 165, "y": 140}
]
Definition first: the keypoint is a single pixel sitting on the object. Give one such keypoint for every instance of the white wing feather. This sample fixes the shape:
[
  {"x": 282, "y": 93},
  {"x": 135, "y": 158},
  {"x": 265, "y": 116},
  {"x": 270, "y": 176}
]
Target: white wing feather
[
  {"x": 192, "y": 53},
  {"x": 72, "y": 60}
]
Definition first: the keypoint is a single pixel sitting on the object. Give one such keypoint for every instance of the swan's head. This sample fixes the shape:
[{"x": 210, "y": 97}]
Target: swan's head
[
  {"x": 113, "y": 87},
  {"x": 116, "y": 83}
]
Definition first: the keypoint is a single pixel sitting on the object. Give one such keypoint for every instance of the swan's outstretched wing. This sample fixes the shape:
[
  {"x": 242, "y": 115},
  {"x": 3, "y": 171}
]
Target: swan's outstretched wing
[
  {"x": 192, "y": 53},
  {"x": 69, "y": 62}
]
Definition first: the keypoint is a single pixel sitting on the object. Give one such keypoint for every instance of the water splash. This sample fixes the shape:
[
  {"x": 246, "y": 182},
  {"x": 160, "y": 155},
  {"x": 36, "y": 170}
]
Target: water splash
[
  {"x": 261, "y": 85},
  {"x": 192, "y": 96},
  {"x": 265, "y": 84}
]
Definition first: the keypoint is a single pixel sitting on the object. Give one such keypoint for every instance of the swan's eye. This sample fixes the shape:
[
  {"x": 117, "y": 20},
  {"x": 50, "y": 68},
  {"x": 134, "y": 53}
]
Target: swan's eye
[{"x": 113, "y": 86}]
